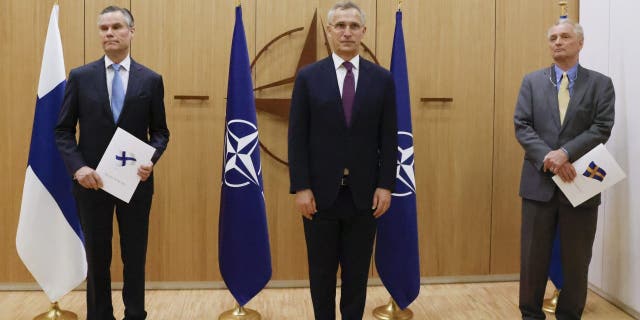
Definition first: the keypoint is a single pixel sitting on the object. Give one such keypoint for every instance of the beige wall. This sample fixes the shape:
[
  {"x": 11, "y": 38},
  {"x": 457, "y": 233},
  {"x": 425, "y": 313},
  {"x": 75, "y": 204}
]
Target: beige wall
[{"x": 467, "y": 160}]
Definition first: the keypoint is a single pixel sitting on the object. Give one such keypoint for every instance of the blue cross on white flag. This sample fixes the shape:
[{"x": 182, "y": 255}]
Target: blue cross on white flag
[
  {"x": 49, "y": 238},
  {"x": 124, "y": 158}
]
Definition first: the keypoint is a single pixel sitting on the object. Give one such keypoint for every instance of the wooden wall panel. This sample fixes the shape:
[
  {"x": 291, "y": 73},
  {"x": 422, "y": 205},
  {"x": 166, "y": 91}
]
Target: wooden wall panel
[
  {"x": 468, "y": 161},
  {"x": 188, "y": 42},
  {"x": 23, "y": 27},
  {"x": 521, "y": 48},
  {"x": 450, "y": 54},
  {"x": 277, "y": 63}
]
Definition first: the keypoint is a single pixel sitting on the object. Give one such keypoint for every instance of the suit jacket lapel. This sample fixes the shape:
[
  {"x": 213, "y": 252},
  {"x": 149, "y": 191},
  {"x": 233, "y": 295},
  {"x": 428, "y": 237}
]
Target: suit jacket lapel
[
  {"x": 579, "y": 89},
  {"x": 329, "y": 69},
  {"x": 361, "y": 88},
  {"x": 132, "y": 87},
  {"x": 551, "y": 92},
  {"x": 101, "y": 87}
]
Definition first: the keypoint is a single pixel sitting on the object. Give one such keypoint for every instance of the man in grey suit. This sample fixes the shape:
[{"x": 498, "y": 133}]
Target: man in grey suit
[{"x": 562, "y": 112}]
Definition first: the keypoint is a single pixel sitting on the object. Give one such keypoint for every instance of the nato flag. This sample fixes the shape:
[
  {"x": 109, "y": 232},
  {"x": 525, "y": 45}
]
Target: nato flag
[
  {"x": 243, "y": 243},
  {"x": 397, "y": 258}
]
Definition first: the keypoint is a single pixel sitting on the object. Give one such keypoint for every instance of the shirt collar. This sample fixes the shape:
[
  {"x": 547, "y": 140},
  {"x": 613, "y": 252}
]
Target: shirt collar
[
  {"x": 572, "y": 73},
  {"x": 337, "y": 61},
  {"x": 126, "y": 63}
]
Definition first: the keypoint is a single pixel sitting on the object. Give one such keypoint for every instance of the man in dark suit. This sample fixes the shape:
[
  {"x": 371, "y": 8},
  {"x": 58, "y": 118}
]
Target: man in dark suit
[
  {"x": 114, "y": 91},
  {"x": 562, "y": 113},
  {"x": 342, "y": 157}
]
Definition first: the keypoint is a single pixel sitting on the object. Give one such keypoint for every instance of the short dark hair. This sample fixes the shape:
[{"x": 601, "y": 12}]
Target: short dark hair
[{"x": 128, "y": 17}]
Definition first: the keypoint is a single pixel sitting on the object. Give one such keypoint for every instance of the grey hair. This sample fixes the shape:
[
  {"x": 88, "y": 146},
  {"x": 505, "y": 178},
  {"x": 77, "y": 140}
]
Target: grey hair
[
  {"x": 128, "y": 17},
  {"x": 577, "y": 28},
  {"x": 345, "y": 5}
]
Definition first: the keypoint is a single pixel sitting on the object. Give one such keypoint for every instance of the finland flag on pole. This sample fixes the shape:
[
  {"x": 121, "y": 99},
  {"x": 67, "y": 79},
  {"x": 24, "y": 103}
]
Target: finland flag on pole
[{"x": 49, "y": 238}]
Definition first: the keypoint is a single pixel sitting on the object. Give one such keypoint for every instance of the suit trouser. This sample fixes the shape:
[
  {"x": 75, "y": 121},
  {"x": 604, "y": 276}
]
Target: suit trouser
[
  {"x": 577, "y": 228},
  {"x": 341, "y": 235},
  {"x": 95, "y": 209}
]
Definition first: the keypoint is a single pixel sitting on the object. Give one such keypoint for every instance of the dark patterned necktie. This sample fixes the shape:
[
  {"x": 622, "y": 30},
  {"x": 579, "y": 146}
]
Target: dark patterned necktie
[{"x": 348, "y": 92}]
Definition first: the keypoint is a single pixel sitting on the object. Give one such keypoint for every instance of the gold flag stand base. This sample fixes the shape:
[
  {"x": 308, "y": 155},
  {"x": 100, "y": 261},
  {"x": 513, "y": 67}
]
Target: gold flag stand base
[
  {"x": 240, "y": 313},
  {"x": 549, "y": 305},
  {"x": 55, "y": 313},
  {"x": 392, "y": 312}
]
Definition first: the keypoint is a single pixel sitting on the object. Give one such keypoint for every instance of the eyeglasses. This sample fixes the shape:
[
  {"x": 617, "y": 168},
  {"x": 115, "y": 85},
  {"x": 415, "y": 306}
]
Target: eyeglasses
[{"x": 342, "y": 26}]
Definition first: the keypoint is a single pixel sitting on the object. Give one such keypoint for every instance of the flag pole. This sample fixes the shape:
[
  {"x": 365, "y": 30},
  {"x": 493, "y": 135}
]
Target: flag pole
[
  {"x": 564, "y": 13},
  {"x": 240, "y": 313},
  {"x": 549, "y": 305},
  {"x": 392, "y": 311},
  {"x": 55, "y": 313},
  {"x": 244, "y": 274},
  {"x": 53, "y": 66}
]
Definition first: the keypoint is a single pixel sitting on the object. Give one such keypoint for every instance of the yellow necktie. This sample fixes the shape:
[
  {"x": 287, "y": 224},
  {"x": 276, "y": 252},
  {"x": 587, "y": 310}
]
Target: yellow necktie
[{"x": 563, "y": 96}]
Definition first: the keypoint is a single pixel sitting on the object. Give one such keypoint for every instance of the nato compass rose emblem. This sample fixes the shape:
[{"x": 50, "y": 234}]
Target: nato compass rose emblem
[
  {"x": 241, "y": 154},
  {"x": 405, "y": 176}
]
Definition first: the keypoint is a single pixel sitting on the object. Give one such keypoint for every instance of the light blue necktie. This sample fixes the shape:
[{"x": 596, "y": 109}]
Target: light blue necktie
[{"x": 117, "y": 92}]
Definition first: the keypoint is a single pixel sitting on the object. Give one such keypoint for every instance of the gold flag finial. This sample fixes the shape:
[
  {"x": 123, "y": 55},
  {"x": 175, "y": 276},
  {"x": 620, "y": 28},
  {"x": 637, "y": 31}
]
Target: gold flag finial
[
  {"x": 564, "y": 13},
  {"x": 399, "y": 5},
  {"x": 238, "y": 4}
]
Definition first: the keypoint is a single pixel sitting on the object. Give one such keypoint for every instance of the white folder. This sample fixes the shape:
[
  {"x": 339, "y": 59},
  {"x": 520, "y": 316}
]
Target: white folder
[
  {"x": 596, "y": 171},
  {"x": 119, "y": 165}
]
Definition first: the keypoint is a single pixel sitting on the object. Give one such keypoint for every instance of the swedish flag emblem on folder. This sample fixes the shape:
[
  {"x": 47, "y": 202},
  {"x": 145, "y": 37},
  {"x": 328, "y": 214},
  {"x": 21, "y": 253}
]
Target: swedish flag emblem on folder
[{"x": 595, "y": 172}]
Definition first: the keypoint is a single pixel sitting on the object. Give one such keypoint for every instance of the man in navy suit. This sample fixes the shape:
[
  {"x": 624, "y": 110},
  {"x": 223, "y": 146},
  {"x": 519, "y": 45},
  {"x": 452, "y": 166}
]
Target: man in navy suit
[
  {"x": 562, "y": 113},
  {"x": 114, "y": 91},
  {"x": 342, "y": 157}
]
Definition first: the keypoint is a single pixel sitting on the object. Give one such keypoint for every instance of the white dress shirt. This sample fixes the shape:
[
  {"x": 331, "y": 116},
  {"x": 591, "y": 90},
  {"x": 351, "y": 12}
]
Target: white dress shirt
[
  {"x": 341, "y": 71},
  {"x": 124, "y": 73}
]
